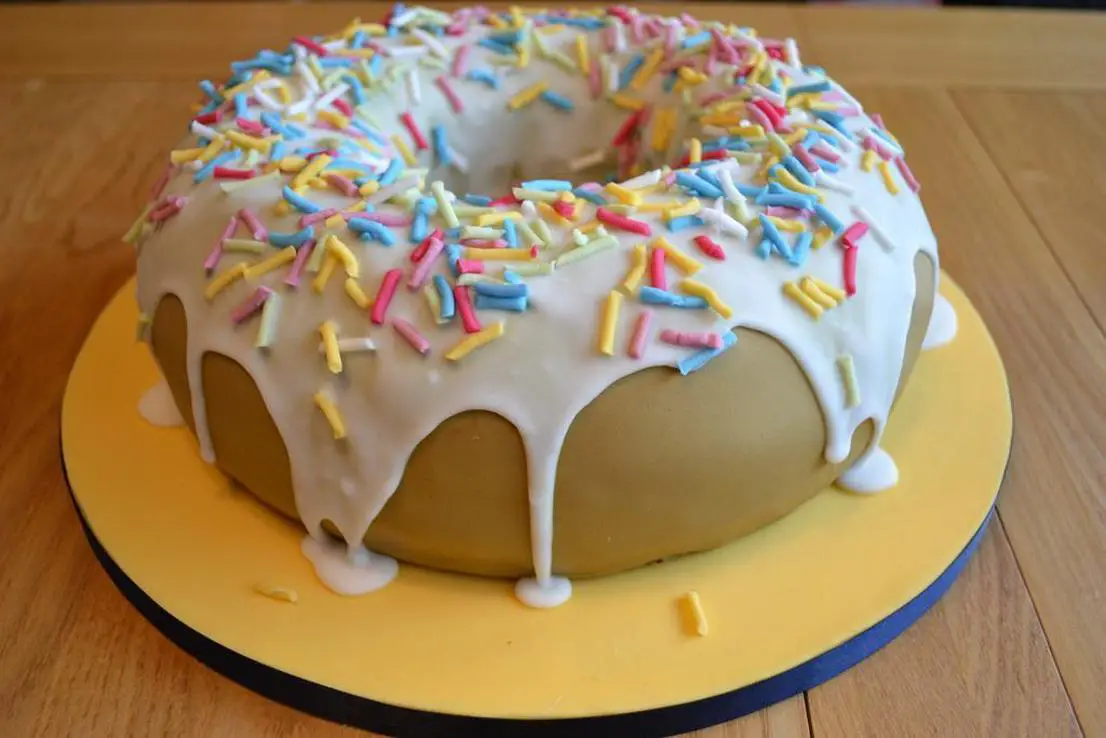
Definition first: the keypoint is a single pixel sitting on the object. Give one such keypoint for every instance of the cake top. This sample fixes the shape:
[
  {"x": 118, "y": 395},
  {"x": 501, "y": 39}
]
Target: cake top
[{"x": 538, "y": 203}]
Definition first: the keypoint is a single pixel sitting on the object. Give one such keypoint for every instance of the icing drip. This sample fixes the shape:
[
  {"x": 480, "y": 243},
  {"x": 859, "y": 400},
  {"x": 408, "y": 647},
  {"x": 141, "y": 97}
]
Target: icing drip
[
  {"x": 158, "y": 408},
  {"x": 942, "y": 324},
  {"x": 348, "y": 570},
  {"x": 874, "y": 472},
  {"x": 554, "y": 592}
]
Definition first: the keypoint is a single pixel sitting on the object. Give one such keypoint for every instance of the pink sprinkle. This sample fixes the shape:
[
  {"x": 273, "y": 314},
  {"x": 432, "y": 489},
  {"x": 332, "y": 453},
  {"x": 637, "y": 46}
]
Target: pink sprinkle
[
  {"x": 710, "y": 62},
  {"x": 637, "y": 28},
  {"x": 166, "y": 209},
  {"x": 464, "y": 306},
  {"x": 805, "y": 158},
  {"x": 782, "y": 211},
  {"x": 622, "y": 13},
  {"x": 343, "y": 107},
  {"x": 411, "y": 335},
  {"x": 251, "y": 305},
  {"x": 595, "y": 82},
  {"x": 688, "y": 21},
  {"x": 343, "y": 184},
  {"x": 836, "y": 96},
  {"x": 447, "y": 90},
  {"x": 692, "y": 340},
  {"x": 250, "y": 220},
  {"x": 392, "y": 220},
  {"x": 250, "y": 126},
  {"x": 709, "y": 247},
  {"x": 758, "y": 115},
  {"x": 312, "y": 46},
  {"x": 657, "y": 275},
  {"x": 303, "y": 253},
  {"x": 313, "y": 218},
  {"x": 420, "y": 251},
  {"x": 422, "y": 271},
  {"x": 872, "y": 144},
  {"x": 456, "y": 29},
  {"x": 470, "y": 266},
  {"x": 565, "y": 209},
  {"x": 641, "y": 332},
  {"x": 653, "y": 28},
  {"x": 854, "y": 233},
  {"x": 770, "y": 111},
  {"x": 670, "y": 41},
  {"x": 159, "y": 185},
  {"x": 611, "y": 37},
  {"x": 621, "y": 222},
  {"x": 484, "y": 243},
  {"x": 824, "y": 151},
  {"x": 848, "y": 111},
  {"x": 876, "y": 117},
  {"x": 459, "y": 60},
  {"x": 212, "y": 259},
  {"x": 413, "y": 129},
  {"x": 384, "y": 294},
  {"x": 907, "y": 175},
  {"x": 708, "y": 100}
]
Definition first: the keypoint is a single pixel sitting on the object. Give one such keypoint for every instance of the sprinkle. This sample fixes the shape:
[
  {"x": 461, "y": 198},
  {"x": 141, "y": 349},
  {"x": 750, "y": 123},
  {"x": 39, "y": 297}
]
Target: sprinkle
[
  {"x": 687, "y": 264},
  {"x": 463, "y": 305},
  {"x": 450, "y": 94},
  {"x": 223, "y": 280},
  {"x": 609, "y": 323},
  {"x": 804, "y": 301},
  {"x": 832, "y": 183},
  {"x": 582, "y": 59},
  {"x": 655, "y": 296},
  {"x": 698, "y": 289},
  {"x": 305, "y": 252},
  {"x": 829, "y": 218},
  {"x": 624, "y": 194},
  {"x": 593, "y": 247},
  {"x": 485, "y": 76},
  {"x": 699, "y": 359},
  {"x": 270, "y": 316},
  {"x": 353, "y": 289},
  {"x": 709, "y": 247},
  {"x": 330, "y": 262},
  {"x": 333, "y": 417},
  {"x": 848, "y": 377},
  {"x": 868, "y": 160},
  {"x": 637, "y": 271},
  {"x": 280, "y": 594},
  {"x": 416, "y": 134},
  {"x": 640, "y": 334},
  {"x": 491, "y": 288},
  {"x": 907, "y": 175},
  {"x": 527, "y": 96},
  {"x": 548, "y": 185},
  {"x": 481, "y": 254},
  {"x": 534, "y": 268},
  {"x": 511, "y": 304},
  {"x": 384, "y": 295},
  {"x": 299, "y": 202},
  {"x": 329, "y": 333},
  {"x": 888, "y": 179},
  {"x": 695, "y": 617},
  {"x": 849, "y": 270},
  {"x": 298, "y": 238},
  {"x": 622, "y": 222},
  {"x": 459, "y": 59},
  {"x": 877, "y": 231},
  {"x": 698, "y": 185},
  {"x": 691, "y": 340},
  {"x": 250, "y": 305},
  {"x": 411, "y": 335},
  {"x": 657, "y": 276},
  {"x": 474, "y": 341},
  {"x": 404, "y": 150},
  {"x": 285, "y": 256},
  {"x": 422, "y": 271},
  {"x": 445, "y": 297}
]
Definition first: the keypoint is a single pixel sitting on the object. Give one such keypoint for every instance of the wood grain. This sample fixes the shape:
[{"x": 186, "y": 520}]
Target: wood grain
[{"x": 86, "y": 110}]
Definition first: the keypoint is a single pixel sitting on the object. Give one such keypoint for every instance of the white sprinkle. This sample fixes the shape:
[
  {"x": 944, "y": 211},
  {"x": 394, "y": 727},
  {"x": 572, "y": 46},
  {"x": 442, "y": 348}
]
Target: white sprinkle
[
  {"x": 301, "y": 106},
  {"x": 791, "y": 50},
  {"x": 714, "y": 131},
  {"x": 201, "y": 130},
  {"x": 407, "y": 52},
  {"x": 352, "y": 345},
  {"x": 414, "y": 89},
  {"x": 612, "y": 73},
  {"x": 587, "y": 160},
  {"x": 773, "y": 97},
  {"x": 733, "y": 195},
  {"x": 397, "y": 188},
  {"x": 432, "y": 43},
  {"x": 308, "y": 77},
  {"x": 529, "y": 209},
  {"x": 266, "y": 100},
  {"x": 876, "y": 230},
  {"x": 718, "y": 218},
  {"x": 325, "y": 101},
  {"x": 643, "y": 180},
  {"x": 403, "y": 19},
  {"x": 834, "y": 184},
  {"x": 619, "y": 38}
]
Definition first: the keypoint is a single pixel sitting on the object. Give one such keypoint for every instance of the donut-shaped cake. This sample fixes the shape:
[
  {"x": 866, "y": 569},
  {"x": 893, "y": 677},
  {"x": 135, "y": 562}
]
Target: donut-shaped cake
[{"x": 535, "y": 294}]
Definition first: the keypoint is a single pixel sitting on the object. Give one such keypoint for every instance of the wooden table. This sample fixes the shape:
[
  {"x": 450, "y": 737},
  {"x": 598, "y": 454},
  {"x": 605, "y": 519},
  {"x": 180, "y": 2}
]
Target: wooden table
[{"x": 1004, "y": 116}]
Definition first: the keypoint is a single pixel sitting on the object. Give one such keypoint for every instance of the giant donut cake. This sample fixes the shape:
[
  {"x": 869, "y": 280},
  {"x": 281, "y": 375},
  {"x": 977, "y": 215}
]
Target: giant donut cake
[{"x": 535, "y": 294}]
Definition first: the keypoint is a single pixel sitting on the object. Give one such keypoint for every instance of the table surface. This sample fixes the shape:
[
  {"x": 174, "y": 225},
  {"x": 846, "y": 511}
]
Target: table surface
[{"x": 1001, "y": 113}]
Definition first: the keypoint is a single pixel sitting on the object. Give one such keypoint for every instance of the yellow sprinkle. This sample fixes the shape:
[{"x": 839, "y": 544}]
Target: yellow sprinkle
[
  {"x": 473, "y": 252},
  {"x": 180, "y": 156},
  {"x": 663, "y": 125},
  {"x": 473, "y": 341},
  {"x": 637, "y": 271},
  {"x": 335, "y": 221},
  {"x": 696, "y": 618},
  {"x": 588, "y": 227},
  {"x": 527, "y": 96},
  {"x": 329, "y": 263},
  {"x": 553, "y": 216},
  {"x": 836, "y": 293},
  {"x": 647, "y": 70},
  {"x": 807, "y": 286},
  {"x": 888, "y": 178},
  {"x": 404, "y": 151},
  {"x": 310, "y": 171},
  {"x": 812, "y": 308},
  {"x": 281, "y": 594},
  {"x": 337, "y": 120},
  {"x": 659, "y": 206},
  {"x": 787, "y": 224},
  {"x": 333, "y": 417},
  {"x": 342, "y": 252},
  {"x": 292, "y": 164},
  {"x": 696, "y": 151},
  {"x": 433, "y": 303},
  {"x": 848, "y": 377},
  {"x": 627, "y": 196},
  {"x": 244, "y": 246},
  {"x": 496, "y": 218},
  {"x": 260, "y": 76},
  {"x": 248, "y": 142},
  {"x": 788, "y": 180},
  {"x": 868, "y": 160},
  {"x": 368, "y": 188},
  {"x": 698, "y": 289},
  {"x": 582, "y": 54},
  {"x": 822, "y": 236},
  {"x": 136, "y": 228},
  {"x": 795, "y": 137},
  {"x": 768, "y": 162},
  {"x": 691, "y": 207},
  {"x": 624, "y": 101},
  {"x": 329, "y": 333},
  {"x": 747, "y": 131},
  {"x": 223, "y": 280},
  {"x": 777, "y": 145},
  {"x": 353, "y": 289},
  {"x": 524, "y": 57},
  {"x": 680, "y": 260},
  {"x": 691, "y": 76},
  {"x": 285, "y": 256},
  {"x": 611, "y": 307}
]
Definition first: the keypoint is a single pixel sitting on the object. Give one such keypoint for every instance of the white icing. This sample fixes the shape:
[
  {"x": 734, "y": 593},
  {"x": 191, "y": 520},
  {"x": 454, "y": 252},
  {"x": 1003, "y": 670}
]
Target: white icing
[
  {"x": 552, "y": 593},
  {"x": 545, "y": 369},
  {"x": 942, "y": 324},
  {"x": 875, "y": 472},
  {"x": 158, "y": 408},
  {"x": 348, "y": 570}
]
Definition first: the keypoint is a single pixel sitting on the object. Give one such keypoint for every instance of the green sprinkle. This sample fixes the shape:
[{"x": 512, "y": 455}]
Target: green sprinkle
[{"x": 270, "y": 315}]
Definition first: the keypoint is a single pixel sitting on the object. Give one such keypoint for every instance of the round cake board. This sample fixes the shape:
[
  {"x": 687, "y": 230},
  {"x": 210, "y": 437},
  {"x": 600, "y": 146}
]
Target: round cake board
[{"x": 433, "y": 653}]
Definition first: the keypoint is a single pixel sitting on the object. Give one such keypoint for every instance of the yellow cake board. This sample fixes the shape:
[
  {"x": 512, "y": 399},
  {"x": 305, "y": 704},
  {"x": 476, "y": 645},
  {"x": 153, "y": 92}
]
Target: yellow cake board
[{"x": 453, "y": 644}]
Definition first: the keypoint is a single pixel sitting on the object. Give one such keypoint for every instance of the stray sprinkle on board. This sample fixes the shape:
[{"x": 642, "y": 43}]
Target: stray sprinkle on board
[{"x": 694, "y": 617}]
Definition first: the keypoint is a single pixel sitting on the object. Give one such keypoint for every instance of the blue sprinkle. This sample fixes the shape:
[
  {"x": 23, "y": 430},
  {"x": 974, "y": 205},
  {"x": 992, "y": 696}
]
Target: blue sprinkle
[
  {"x": 814, "y": 87},
  {"x": 834, "y": 120},
  {"x": 629, "y": 71},
  {"x": 711, "y": 178},
  {"x": 558, "y": 100},
  {"x": 699, "y": 38},
  {"x": 829, "y": 218},
  {"x": 494, "y": 289},
  {"x": 209, "y": 168},
  {"x": 507, "y": 38},
  {"x": 510, "y": 233},
  {"x": 426, "y": 205},
  {"x": 420, "y": 226},
  {"x": 749, "y": 190},
  {"x": 698, "y": 185},
  {"x": 654, "y": 296},
  {"x": 299, "y": 202},
  {"x": 812, "y": 138},
  {"x": 787, "y": 200},
  {"x": 590, "y": 195},
  {"x": 483, "y": 75},
  {"x": 764, "y": 248},
  {"x": 439, "y": 145},
  {"x": 512, "y": 304},
  {"x": 477, "y": 200},
  {"x": 699, "y": 359},
  {"x": 811, "y": 69},
  {"x": 210, "y": 107},
  {"x": 349, "y": 164},
  {"x": 548, "y": 185},
  {"x": 445, "y": 297},
  {"x": 369, "y": 230},
  {"x": 829, "y": 166},
  {"x": 591, "y": 24},
  {"x": 271, "y": 120},
  {"x": 375, "y": 65},
  {"x": 333, "y": 62},
  {"x": 240, "y": 106},
  {"x": 775, "y": 85},
  {"x": 453, "y": 255},
  {"x": 496, "y": 46},
  {"x": 684, "y": 222},
  {"x": 368, "y": 131},
  {"x": 299, "y": 238},
  {"x": 203, "y": 141},
  {"x": 773, "y": 235},
  {"x": 802, "y": 248},
  {"x": 511, "y": 277},
  {"x": 355, "y": 87},
  {"x": 212, "y": 94},
  {"x": 277, "y": 152},
  {"x": 358, "y": 40},
  {"x": 453, "y": 234},
  {"x": 391, "y": 174},
  {"x": 793, "y": 165}
]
